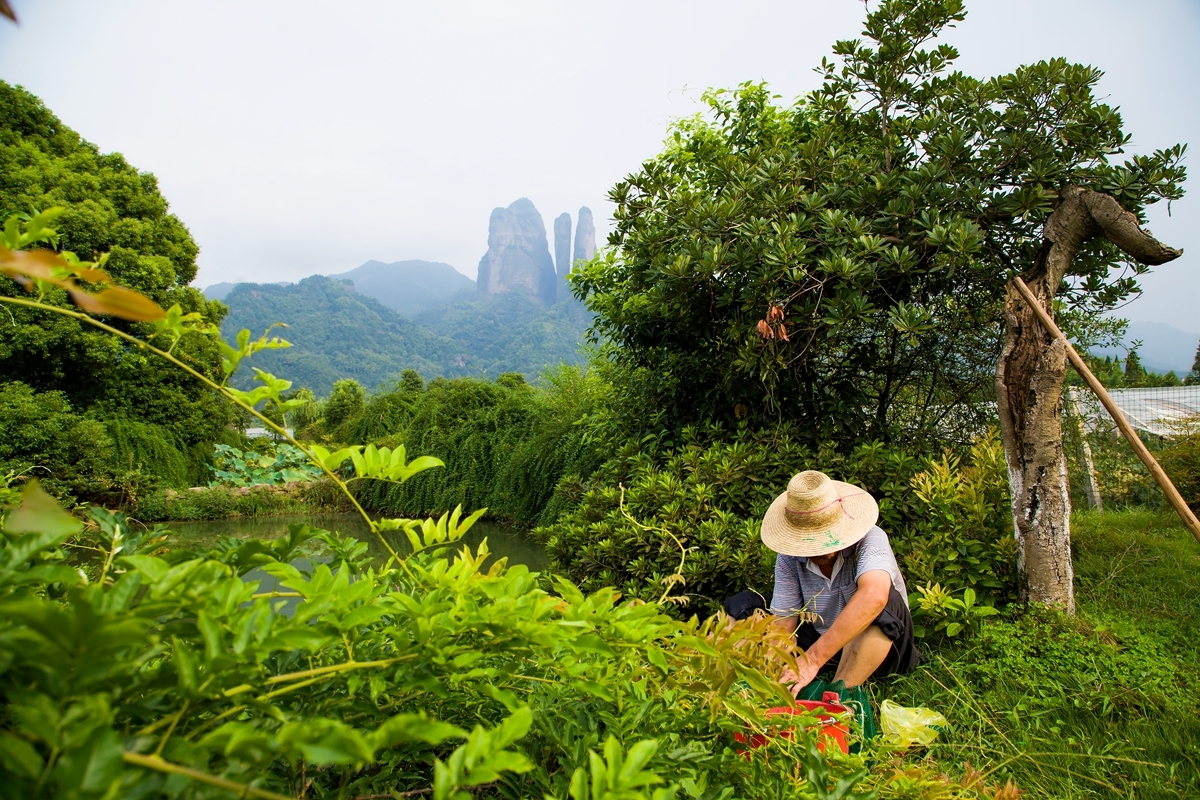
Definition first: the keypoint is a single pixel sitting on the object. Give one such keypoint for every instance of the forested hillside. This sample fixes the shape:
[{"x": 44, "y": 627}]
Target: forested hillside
[
  {"x": 512, "y": 332},
  {"x": 408, "y": 287},
  {"x": 338, "y": 332},
  {"x": 133, "y": 415}
]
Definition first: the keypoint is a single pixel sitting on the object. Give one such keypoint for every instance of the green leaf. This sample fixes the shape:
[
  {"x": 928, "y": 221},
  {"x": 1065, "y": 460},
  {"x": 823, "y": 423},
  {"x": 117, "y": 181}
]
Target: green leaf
[
  {"x": 93, "y": 766},
  {"x": 406, "y": 728},
  {"x": 513, "y": 728},
  {"x": 19, "y": 757},
  {"x": 326, "y": 741},
  {"x": 39, "y": 513}
]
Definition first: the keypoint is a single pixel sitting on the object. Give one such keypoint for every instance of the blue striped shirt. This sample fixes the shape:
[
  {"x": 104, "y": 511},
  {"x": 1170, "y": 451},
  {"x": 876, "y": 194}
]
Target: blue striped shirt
[{"x": 800, "y": 584}]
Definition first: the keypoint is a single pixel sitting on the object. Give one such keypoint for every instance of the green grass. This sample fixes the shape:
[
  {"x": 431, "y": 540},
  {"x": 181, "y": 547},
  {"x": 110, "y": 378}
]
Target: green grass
[
  {"x": 1102, "y": 705},
  {"x": 221, "y": 502}
]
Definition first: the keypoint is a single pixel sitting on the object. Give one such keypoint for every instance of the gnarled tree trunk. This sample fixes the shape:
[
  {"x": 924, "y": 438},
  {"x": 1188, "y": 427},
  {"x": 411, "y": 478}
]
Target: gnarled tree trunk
[{"x": 1029, "y": 385}]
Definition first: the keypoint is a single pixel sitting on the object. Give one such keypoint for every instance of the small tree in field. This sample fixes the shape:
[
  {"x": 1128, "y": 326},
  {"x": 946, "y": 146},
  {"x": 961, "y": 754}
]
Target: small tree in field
[
  {"x": 843, "y": 263},
  {"x": 1194, "y": 376}
]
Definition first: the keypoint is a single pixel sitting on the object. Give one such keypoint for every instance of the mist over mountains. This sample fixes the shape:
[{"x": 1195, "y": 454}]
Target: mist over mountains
[
  {"x": 1163, "y": 349},
  {"x": 376, "y": 320},
  {"x": 408, "y": 287}
]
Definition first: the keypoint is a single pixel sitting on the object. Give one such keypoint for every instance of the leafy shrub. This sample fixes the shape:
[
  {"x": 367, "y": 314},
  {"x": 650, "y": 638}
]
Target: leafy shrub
[
  {"x": 505, "y": 443},
  {"x": 140, "y": 447},
  {"x": 109, "y": 459},
  {"x": 1181, "y": 460},
  {"x": 947, "y": 519},
  {"x": 441, "y": 676},
  {"x": 234, "y": 467},
  {"x": 41, "y": 434},
  {"x": 935, "y": 611},
  {"x": 344, "y": 403},
  {"x": 956, "y": 524}
]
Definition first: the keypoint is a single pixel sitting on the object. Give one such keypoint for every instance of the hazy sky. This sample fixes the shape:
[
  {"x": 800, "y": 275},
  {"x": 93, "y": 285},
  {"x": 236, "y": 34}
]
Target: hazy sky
[{"x": 301, "y": 137}]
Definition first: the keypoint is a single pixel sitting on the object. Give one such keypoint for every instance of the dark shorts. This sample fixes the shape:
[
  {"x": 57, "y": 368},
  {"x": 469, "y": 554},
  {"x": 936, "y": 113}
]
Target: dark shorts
[{"x": 895, "y": 621}]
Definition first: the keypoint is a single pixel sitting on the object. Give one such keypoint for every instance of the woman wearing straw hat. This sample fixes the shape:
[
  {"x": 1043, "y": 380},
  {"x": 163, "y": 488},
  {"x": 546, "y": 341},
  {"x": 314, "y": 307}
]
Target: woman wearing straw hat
[{"x": 836, "y": 564}]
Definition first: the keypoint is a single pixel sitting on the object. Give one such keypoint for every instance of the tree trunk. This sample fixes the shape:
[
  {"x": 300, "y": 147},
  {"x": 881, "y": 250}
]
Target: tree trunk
[{"x": 1029, "y": 385}]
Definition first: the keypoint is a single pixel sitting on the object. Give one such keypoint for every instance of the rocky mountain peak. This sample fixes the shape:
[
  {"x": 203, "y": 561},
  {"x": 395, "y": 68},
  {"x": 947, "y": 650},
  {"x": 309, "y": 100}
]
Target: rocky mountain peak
[
  {"x": 562, "y": 252},
  {"x": 585, "y": 236},
  {"x": 518, "y": 255}
]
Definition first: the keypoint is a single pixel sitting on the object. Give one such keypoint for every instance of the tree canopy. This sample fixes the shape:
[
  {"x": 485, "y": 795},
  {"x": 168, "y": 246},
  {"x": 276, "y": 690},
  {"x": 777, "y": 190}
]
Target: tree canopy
[
  {"x": 110, "y": 208},
  {"x": 841, "y": 262}
]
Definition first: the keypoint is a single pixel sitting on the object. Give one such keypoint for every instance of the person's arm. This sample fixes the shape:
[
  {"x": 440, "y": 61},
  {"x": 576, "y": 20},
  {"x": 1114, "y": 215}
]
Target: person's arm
[
  {"x": 868, "y": 600},
  {"x": 786, "y": 598}
]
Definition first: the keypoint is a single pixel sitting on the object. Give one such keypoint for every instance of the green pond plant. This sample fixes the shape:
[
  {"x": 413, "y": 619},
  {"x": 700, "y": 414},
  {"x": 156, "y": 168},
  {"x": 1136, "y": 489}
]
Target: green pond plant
[{"x": 234, "y": 467}]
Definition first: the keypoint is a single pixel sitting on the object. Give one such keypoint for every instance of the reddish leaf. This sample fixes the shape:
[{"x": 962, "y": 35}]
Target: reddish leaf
[
  {"x": 118, "y": 302},
  {"x": 764, "y": 330},
  {"x": 37, "y": 264},
  {"x": 92, "y": 275},
  {"x": 783, "y": 332}
]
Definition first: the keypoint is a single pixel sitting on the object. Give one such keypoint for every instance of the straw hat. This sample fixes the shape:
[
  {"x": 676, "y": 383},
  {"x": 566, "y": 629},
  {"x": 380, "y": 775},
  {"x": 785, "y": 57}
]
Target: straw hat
[{"x": 817, "y": 516}]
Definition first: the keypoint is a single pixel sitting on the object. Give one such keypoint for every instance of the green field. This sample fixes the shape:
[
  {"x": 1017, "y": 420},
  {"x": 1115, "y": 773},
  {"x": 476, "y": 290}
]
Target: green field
[{"x": 1105, "y": 704}]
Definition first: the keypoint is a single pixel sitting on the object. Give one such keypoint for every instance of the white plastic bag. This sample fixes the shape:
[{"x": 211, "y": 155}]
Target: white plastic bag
[{"x": 903, "y": 727}]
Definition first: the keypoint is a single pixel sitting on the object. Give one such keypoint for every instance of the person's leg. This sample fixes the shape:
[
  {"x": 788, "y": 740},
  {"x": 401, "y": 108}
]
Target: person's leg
[
  {"x": 743, "y": 604},
  {"x": 862, "y": 656}
]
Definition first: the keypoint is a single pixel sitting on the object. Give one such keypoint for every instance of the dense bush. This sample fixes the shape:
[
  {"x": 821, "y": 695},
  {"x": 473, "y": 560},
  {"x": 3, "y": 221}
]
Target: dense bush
[
  {"x": 344, "y": 403},
  {"x": 1181, "y": 460},
  {"x": 107, "y": 207},
  {"x": 41, "y": 434},
  {"x": 112, "y": 459},
  {"x": 505, "y": 443},
  {"x": 948, "y": 519},
  {"x": 441, "y": 676}
]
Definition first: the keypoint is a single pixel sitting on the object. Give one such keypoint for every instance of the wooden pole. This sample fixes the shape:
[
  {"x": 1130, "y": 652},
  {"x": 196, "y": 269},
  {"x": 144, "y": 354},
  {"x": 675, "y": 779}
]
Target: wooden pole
[{"x": 1164, "y": 481}]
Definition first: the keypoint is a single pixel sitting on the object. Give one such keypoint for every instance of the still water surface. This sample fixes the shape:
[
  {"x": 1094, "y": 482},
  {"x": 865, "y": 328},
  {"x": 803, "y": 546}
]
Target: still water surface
[{"x": 502, "y": 540}]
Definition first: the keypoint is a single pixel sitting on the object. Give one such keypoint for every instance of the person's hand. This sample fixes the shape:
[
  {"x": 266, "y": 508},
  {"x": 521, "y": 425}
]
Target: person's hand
[{"x": 808, "y": 668}]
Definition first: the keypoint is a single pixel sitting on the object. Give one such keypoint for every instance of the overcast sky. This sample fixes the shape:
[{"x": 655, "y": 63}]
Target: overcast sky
[{"x": 302, "y": 137}]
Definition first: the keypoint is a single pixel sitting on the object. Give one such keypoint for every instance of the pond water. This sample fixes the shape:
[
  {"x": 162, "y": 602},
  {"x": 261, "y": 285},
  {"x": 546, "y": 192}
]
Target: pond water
[{"x": 502, "y": 540}]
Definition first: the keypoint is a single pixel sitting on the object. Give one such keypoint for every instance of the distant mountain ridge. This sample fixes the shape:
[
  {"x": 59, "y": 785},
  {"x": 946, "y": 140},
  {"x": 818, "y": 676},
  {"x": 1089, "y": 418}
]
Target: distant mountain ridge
[
  {"x": 338, "y": 332},
  {"x": 335, "y": 333},
  {"x": 219, "y": 291},
  {"x": 376, "y": 320},
  {"x": 408, "y": 287},
  {"x": 1164, "y": 348}
]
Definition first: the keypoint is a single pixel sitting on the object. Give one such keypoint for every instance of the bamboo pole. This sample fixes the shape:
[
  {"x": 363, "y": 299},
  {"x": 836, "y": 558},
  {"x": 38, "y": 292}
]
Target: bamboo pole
[{"x": 1164, "y": 481}]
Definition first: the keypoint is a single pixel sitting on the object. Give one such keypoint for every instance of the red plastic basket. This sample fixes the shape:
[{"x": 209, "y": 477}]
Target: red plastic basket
[{"x": 829, "y": 712}]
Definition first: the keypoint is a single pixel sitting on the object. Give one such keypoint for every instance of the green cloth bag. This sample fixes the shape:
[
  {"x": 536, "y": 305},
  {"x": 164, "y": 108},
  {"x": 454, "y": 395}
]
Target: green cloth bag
[{"x": 856, "y": 699}]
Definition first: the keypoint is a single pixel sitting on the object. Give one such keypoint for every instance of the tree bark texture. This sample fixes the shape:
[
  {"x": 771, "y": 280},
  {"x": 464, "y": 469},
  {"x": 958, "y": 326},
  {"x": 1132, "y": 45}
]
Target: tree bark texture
[{"x": 1029, "y": 387}]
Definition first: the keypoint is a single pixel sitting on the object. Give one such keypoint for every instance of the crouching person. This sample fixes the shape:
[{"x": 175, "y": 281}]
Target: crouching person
[{"x": 835, "y": 571}]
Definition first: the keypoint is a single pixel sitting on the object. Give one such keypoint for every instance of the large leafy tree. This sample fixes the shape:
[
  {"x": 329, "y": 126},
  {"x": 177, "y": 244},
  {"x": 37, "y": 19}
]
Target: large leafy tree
[
  {"x": 110, "y": 208},
  {"x": 843, "y": 262}
]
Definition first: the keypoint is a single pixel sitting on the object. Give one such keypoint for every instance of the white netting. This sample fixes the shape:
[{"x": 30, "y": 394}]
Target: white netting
[{"x": 1163, "y": 411}]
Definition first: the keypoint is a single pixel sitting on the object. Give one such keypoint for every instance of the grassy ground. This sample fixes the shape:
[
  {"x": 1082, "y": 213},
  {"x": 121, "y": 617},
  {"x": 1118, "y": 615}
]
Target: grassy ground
[{"x": 1102, "y": 705}]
